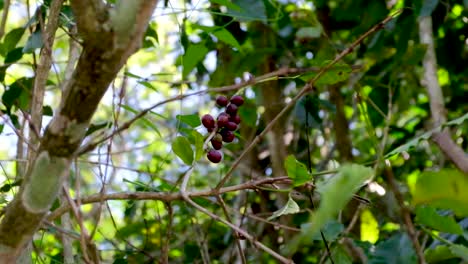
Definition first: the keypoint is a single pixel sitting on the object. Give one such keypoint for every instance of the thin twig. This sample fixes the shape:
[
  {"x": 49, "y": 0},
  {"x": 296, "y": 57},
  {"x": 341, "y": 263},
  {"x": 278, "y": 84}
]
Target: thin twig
[
  {"x": 236, "y": 235},
  {"x": 42, "y": 72}
]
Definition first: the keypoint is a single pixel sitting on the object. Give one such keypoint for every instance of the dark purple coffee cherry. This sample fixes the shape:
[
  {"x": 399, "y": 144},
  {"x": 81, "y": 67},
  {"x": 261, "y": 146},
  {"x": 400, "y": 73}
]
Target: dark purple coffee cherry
[
  {"x": 208, "y": 121},
  {"x": 216, "y": 144},
  {"x": 228, "y": 136},
  {"x": 217, "y": 141},
  {"x": 237, "y": 100},
  {"x": 236, "y": 119},
  {"x": 223, "y": 120},
  {"x": 232, "y": 126},
  {"x": 231, "y": 109},
  {"x": 214, "y": 156},
  {"x": 222, "y": 100}
]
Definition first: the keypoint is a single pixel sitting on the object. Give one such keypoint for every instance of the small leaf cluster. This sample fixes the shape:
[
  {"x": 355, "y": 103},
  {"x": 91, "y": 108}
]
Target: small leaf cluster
[{"x": 225, "y": 124}]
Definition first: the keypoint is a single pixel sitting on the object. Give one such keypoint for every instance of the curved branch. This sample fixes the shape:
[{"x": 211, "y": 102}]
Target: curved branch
[{"x": 436, "y": 98}]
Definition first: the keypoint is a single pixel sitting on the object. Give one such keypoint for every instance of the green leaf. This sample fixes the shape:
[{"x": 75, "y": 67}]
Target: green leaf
[
  {"x": 290, "y": 207},
  {"x": 95, "y": 127},
  {"x": 194, "y": 54},
  {"x": 369, "y": 227},
  {"x": 197, "y": 140},
  {"x": 225, "y": 36},
  {"x": 227, "y": 4},
  {"x": 148, "y": 85},
  {"x": 248, "y": 114},
  {"x": 340, "y": 255},
  {"x": 331, "y": 230},
  {"x": 182, "y": 148},
  {"x": 438, "y": 254},
  {"x": 34, "y": 42},
  {"x": 18, "y": 94},
  {"x": 198, "y": 144},
  {"x": 427, "y": 7},
  {"x": 428, "y": 216},
  {"x": 460, "y": 251},
  {"x": 296, "y": 171},
  {"x": 444, "y": 189},
  {"x": 337, "y": 73},
  {"x": 395, "y": 250},
  {"x": 412, "y": 143},
  {"x": 191, "y": 120},
  {"x": 150, "y": 35},
  {"x": 143, "y": 120},
  {"x": 425, "y": 136},
  {"x": 309, "y": 32},
  {"x": 11, "y": 39},
  {"x": 248, "y": 11},
  {"x": 14, "y": 55},
  {"x": 221, "y": 34},
  {"x": 458, "y": 121},
  {"x": 336, "y": 193},
  {"x": 47, "y": 110}
]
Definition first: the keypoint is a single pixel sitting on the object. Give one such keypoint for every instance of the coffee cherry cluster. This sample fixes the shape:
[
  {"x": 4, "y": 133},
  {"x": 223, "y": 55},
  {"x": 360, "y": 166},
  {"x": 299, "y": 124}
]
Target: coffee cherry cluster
[{"x": 225, "y": 124}]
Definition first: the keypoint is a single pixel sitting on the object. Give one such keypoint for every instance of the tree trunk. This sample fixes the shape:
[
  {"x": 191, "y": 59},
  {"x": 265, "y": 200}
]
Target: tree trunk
[{"x": 109, "y": 37}]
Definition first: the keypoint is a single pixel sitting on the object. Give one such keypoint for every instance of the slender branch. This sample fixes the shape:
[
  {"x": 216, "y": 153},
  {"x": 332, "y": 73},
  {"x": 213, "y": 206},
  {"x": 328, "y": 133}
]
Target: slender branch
[
  {"x": 6, "y": 11},
  {"x": 436, "y": 98},
  {"x": 165, "y": 196},
  {"x": 42, "y": 73}
]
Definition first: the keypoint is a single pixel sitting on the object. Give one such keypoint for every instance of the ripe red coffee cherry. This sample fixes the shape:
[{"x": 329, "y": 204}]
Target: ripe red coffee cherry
[
  {"x": 228, "y": 136},
  {"x": 231, "y": 109},
  {"x": 237, "y": 100},
  {"x": 222, "y": 120},
  {"x": 231, "y": 126},
  {"x": 214, "y": 156},
  {"x": 236, "y": 119},
  {"x": 221, "y": 100},
  {"x": 208, "y": 121}
]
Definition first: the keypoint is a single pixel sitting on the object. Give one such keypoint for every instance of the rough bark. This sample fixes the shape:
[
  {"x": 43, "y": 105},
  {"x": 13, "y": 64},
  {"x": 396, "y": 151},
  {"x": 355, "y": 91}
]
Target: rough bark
[
  {"x": 340, "y": 124},
  {"x": 436, "y": 98},
  {"x": 109, "y": 36}
]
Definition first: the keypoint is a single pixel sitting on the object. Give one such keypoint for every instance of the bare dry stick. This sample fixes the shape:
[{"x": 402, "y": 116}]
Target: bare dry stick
[
  {"x": 185, "y": 196},
  {"x": 306, "y": 89}
]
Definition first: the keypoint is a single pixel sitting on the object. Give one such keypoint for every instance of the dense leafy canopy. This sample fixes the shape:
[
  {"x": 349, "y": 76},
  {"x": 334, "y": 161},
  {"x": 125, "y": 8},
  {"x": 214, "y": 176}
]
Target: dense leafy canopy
[{"x": 338, "y": 157}]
